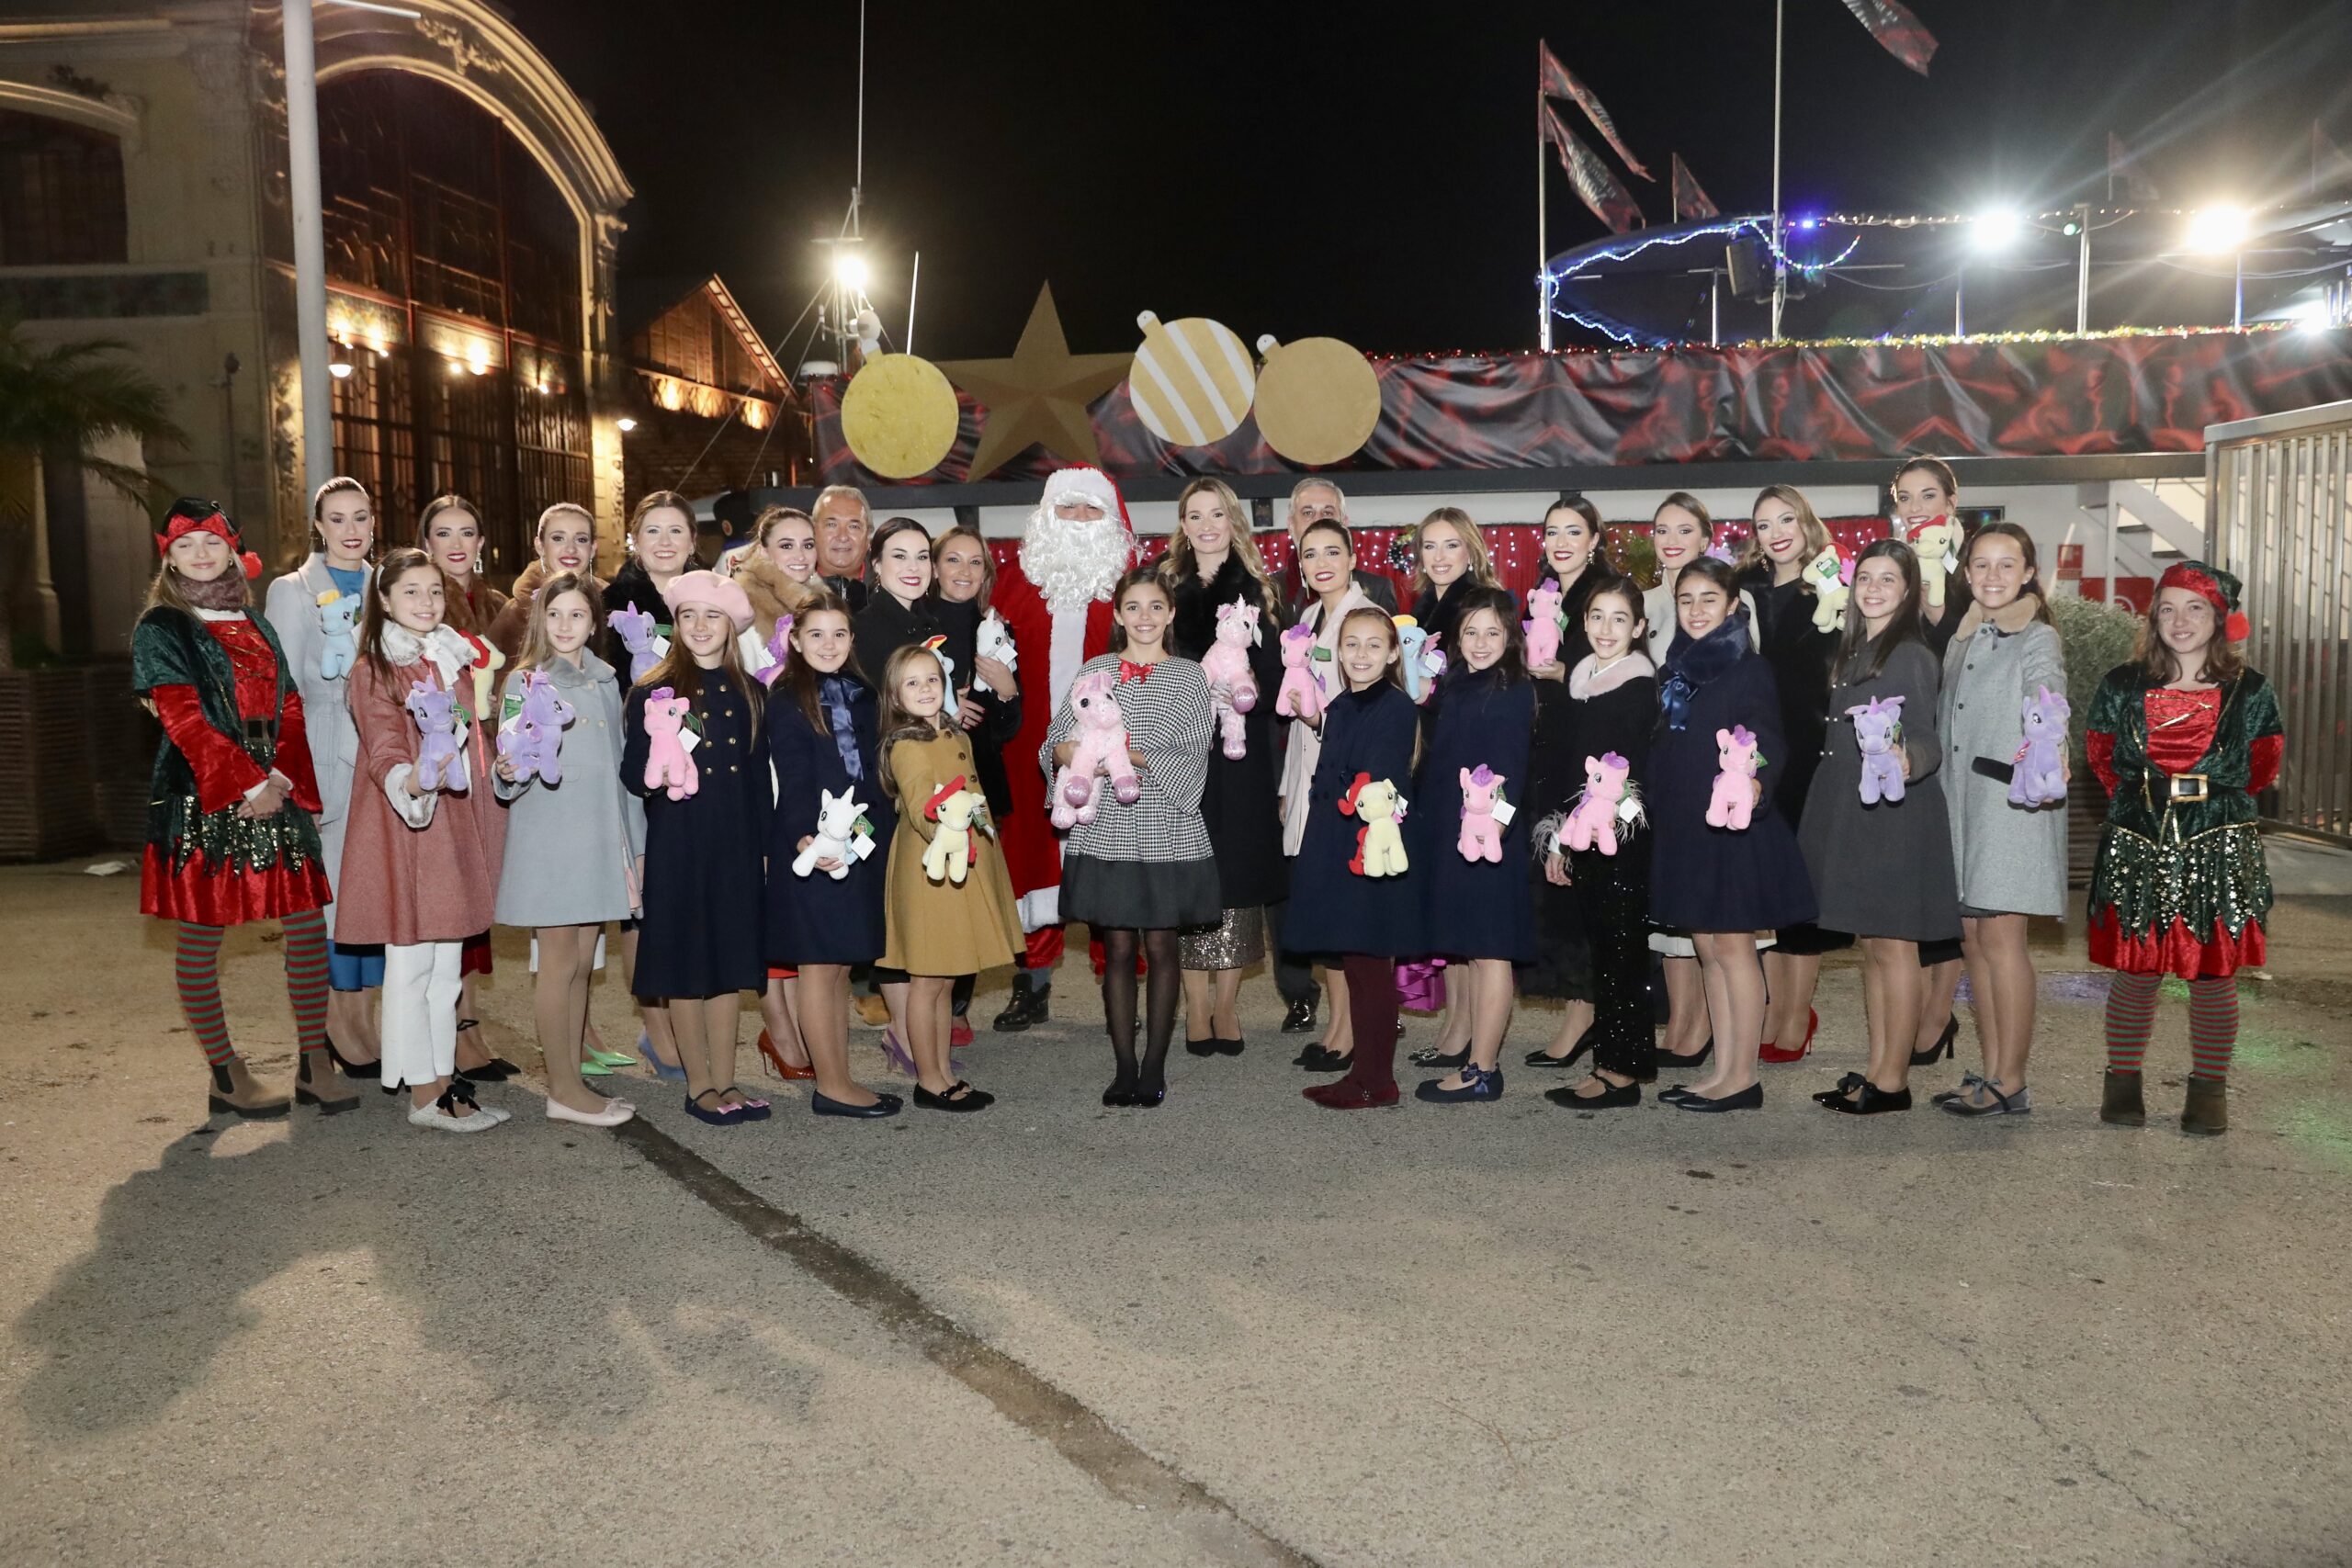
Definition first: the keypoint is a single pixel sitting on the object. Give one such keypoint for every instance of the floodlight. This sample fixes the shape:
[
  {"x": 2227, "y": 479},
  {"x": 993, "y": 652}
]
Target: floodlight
[
  {"x": 2217, "y": 228},
  {"x": 1996, "y": 230},
  {"x": 849, "y": 271}
]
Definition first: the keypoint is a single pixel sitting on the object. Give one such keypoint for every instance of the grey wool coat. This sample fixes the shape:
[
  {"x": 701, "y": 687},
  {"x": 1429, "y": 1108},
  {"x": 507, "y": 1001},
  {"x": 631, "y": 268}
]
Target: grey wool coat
[
  {"x": 1882, "y": 870},
  {"x": 572, "y": 847},
  {"x": 292, "y": 607},
  {"x": 2010, "y": 860}
]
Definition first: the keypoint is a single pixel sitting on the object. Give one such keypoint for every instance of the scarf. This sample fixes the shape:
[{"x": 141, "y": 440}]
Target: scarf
[
  {"x": 1690, "y": 666},
  {"x": 226, "y": 592},
  {"x": 1588, "y": 680},
  {"x": 445, "y": 649},
  {"x": 834, "y": 692}
]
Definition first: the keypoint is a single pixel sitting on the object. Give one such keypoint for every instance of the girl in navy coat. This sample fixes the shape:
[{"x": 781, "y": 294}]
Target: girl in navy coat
[
  {"x": 1362, "y": 923},
  {"x": 823, "y": 729},
  {"x": 1472, "y": 843},
  {"x": 1721, "y": 884}
]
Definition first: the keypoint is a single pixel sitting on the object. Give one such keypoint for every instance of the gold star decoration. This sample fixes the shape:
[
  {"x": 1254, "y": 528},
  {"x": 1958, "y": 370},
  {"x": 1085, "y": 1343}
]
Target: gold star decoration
[{"x": 1039, "y": 396}]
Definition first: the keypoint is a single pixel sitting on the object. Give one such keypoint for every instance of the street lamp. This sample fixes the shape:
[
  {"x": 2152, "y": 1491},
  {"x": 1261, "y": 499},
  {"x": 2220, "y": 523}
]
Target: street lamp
[
  {"x": 2223, "y": 227},
  {"x": 1995, "y": 229},
  {"x": 850, "y": 272}
]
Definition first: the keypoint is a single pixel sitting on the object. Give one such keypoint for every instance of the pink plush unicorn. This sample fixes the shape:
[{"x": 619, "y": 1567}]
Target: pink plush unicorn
[
  {"x": 668, "y": 764},
  {"x": 1543, "y": 625},
  {"x": 1482, "y": 792},
  {"x": 636, "y": 630},
  {"x": 531, "y": 742},
  {"x": 1300, "y": 697},
  {"x": 1734, "y": 802},
  {"x": 1102, "y": 751},
  {"x": 1233, "y": 689},
  {"x": 441, "y": 750},
  {"x": 1878, "y": 730},
  {"x": 1593, "y": 823},
  {"x": 2040, "y": 776}
]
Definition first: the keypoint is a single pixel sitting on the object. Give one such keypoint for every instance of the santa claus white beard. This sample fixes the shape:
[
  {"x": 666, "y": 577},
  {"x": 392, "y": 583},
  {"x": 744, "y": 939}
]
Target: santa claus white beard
[{"x": 1072, "y": 564}]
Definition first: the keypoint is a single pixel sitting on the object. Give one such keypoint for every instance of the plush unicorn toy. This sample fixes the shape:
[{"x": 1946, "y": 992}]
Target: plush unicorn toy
[
  {"x": 635, "y": 628},
  {"x": 1233, "y": 689},
  {"x": 1828, "y": 573},
  {"x": 338, "y": 619},
  {"x": 531, "y": 742},
  {"x": 1419, "y": 659},
  {"x": 1101, "y": 751},
  {"x": 2040, "y": 776},
  {"x": 1544, "y": 625},
  {"x": 996, "y": 642},
  {"x": 837, "y": 817},
  {"x": 1380, "y": 843},
  {"x": 668, "y": 765},
  {"x": 1482, "y": 792},
  {"x": 1732, "y": 805},
  {"x": 1937, "y": 544},
  {"x": 949, "y": 856},
  {"x": 1593, "y": 823},
  {"x": 1300, "y": 697},
  {"x": 441, "y": 754},
  {"x": 779, "y": 651},
  {"x": 1878, "y": 730}
]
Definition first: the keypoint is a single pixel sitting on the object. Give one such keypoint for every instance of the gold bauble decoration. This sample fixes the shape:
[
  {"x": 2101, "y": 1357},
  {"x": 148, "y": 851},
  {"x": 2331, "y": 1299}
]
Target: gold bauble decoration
[
  {"x": 1191, "y": 380},
  {"x": 899, "y": 416},
  {"x": 1317, "y": 400}
]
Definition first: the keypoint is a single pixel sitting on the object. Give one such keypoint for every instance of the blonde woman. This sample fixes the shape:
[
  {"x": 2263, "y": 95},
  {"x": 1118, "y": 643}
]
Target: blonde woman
[{"x": 1451, "y": 557}]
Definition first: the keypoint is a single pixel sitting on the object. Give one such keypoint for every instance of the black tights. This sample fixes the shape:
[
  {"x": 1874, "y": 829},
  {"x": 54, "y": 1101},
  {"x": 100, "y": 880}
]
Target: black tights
[{"x": 1164, "y": 986}]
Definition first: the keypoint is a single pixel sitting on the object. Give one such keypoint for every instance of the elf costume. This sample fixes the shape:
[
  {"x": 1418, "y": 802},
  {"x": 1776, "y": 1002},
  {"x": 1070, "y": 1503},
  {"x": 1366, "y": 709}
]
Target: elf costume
[
  {"x": 215, "y": 677},
  {"x": 2180, "y": 885}
]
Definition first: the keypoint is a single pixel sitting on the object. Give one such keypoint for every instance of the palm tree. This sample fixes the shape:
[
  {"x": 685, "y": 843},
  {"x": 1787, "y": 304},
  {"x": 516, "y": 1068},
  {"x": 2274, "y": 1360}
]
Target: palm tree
[{"x": 54, "y": 403}]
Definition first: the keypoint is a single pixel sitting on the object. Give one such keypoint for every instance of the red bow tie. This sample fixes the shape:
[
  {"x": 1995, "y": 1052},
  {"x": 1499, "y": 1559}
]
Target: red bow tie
[{"x": 1130, "y": 670}]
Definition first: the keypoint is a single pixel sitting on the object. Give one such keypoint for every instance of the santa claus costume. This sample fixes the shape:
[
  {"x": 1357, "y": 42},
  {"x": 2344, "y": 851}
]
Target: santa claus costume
[
  {"x": 232, "y": 831},
  {"x": 1056, "y": 602}
]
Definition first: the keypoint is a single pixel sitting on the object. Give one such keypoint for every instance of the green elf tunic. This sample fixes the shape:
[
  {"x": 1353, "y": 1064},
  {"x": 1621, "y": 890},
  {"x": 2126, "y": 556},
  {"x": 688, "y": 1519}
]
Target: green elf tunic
[{"x": 2180, "y": 885}]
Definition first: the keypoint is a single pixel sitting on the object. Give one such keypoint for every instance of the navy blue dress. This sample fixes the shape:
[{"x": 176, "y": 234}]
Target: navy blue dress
[
  {"x": 700, "y": 933},
  {"x": 1332, "y": 910},
  {"x": 814, "y": 919},
  {"x": 1716, "y": 879},
  {"x": 1475, "y": 909}
]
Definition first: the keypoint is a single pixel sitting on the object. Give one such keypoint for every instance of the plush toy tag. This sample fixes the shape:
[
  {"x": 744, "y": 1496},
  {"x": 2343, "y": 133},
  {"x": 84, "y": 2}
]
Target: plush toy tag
[
  {"x": 864, "y": 825},
  {"x": 660, "y": 645},
  {"x": 860, "y": 847},
  {"x": 688, "y": 740},
  {"x": 1504, "y": 812},
  {"x": 1628, "y": 809},
  {"x": 509, "y": 710},
  {"x": 1321, "y": 654},
  {"x": 1951, "y": 558}
]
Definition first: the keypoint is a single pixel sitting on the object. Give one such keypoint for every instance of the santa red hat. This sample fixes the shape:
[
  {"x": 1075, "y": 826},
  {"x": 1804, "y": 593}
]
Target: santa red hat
[
  {"x": 2216, "y": 587},
  {"x": 1092, "y": 484}
]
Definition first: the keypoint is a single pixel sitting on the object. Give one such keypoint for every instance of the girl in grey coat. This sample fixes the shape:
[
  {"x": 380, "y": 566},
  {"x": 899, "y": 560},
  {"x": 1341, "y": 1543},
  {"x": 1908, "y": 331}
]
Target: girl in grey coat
[
  {"x": 1882, "y": 863},
  {"x": 342, "y": 530},
  {"x": 573, "y": 847},
  {"x": 2011, "y": 860}
]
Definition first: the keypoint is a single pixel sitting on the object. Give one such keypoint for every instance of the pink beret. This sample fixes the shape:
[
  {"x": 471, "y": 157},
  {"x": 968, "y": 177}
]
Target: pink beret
[{"x": 709, "y": 588}]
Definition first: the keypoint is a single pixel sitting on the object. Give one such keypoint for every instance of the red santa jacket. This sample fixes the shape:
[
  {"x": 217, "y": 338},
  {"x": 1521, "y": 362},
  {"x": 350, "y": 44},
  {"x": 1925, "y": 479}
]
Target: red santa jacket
[{"x": 1033, "y": 850}]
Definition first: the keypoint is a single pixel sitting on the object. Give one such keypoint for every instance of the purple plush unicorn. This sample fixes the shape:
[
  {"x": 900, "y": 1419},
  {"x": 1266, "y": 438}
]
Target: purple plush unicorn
[
  {"x": 635, "y": 628},
  {"x": 2040, "y": 776},
  {"x": 1878, "y": 730},
  {"x": 779, "y": 650},
  {"x": 532, "y": 741},
  {"x": 440, "y": 753}
]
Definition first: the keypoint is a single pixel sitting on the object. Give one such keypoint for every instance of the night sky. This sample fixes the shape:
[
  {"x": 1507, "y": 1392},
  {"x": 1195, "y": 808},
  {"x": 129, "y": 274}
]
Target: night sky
[{"x": 1374, "y": 180}]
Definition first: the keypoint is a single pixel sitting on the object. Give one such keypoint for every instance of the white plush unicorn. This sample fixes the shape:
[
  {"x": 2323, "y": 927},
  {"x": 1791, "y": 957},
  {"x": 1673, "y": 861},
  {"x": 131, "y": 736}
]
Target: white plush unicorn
[{"x": 837, "y": 817}]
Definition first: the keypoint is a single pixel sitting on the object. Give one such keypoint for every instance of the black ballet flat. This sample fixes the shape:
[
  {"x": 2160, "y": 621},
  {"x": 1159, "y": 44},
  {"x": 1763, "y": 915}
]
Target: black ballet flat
[
  {"x": 1316, "y": 1059},
  {"x": 1749, "y": 1098},
  {"x": 1432, "y": 1056},
  {"x": 1668, "y": 1062},
  {"x": 884, "y": 1105},
  {"x": 1121, "y": 1093},
  {"x": 1846, "y": 1086},
  {"x": 1151, "y": 1093},
  {"x": 968, "y": 1101},
  {"x": 1874, "y": 1102},
  {"x": 1611, "y": 1098}
]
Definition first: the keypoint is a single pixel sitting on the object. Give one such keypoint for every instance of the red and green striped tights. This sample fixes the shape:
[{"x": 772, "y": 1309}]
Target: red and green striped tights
[
  {"x": 198, "y": 973},
  {"x": 2212, "y": 1023}
]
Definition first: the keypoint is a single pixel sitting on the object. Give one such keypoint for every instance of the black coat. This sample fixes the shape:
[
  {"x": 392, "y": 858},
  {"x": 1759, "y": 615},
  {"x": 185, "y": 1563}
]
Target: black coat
[
  {"x": 1437, "y": 610},
  {"x": 885, "y": 626},
  {"x": 1716, "y": 879},
  {"x": 1566, "y": 732},
  {"x": 1800, "y": 657},
  {"x": 1002, "y": 719},
  {"x": 814, "y": 919},
  {"x": 700, "y": 932},
  {"x": 1475, "y": 909},
  {"x": 1332, "y": 910},
  {"x": 1240, "y": 801}
]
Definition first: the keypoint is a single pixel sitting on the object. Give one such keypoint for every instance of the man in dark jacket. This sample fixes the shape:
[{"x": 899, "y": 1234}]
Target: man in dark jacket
[
  {"x": 844, "y": 525},
  {"x": 1316, "y": 500}
]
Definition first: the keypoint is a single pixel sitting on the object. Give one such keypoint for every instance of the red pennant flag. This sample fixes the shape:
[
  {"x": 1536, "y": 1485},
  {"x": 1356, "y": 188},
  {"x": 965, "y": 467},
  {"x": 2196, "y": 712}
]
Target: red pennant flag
[
  {"x": 1595, "y": 186},
  {"x": 1553, "y": 80},
  {"x": 1689, "y": 201},
  {"x": 1897, "y": 31},
  {"x": 2122, "y": 170}
]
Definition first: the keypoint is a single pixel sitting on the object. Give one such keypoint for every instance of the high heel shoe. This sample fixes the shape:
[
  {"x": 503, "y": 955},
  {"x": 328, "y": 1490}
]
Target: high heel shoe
[
  {"x": 1583, "y": 1047},
  {"x": 1769, "y": 1052},
  {"x": 352, "y": 1069},
  {"x": 1668, "y": 1062},
  {"x": 662, "y": 1069},
  {"x": 777, "y": 1065},
  {"x": 1943, "y": 1045},
  {"x": 896, "y": 1054}
]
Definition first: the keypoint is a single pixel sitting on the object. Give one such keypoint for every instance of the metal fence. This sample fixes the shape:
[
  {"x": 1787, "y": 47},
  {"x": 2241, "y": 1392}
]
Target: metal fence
[{"x": 2279, "y": 514}]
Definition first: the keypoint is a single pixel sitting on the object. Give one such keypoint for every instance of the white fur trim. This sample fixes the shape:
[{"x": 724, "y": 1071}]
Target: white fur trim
[
  {"x": 416, "y": 810},
  {"x": 1040, "y": 908}
]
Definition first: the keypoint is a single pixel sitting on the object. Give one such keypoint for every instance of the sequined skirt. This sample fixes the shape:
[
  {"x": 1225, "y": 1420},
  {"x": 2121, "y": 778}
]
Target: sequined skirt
[
  {"x": 1235, "y": 942},
  {"x": 2185, "y": 906},
  {"x": 225, "y": 870}
]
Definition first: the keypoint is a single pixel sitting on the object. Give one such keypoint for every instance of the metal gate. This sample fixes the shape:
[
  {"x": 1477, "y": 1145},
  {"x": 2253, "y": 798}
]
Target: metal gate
[{"x": 2279, "y": 514}]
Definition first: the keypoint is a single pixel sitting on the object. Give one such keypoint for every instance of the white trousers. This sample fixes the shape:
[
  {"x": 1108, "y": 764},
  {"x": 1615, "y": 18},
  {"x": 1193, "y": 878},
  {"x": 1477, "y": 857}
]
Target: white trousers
[{"x": 420, "y": 1025}]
